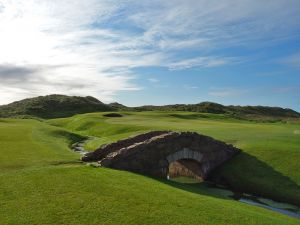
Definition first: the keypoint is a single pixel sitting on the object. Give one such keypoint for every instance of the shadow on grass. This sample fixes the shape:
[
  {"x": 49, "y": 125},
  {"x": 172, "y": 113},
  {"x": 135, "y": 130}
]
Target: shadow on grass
[
  {"x": 71, "y": 162},
  {"x": 203, "y": 188},
  {"x": 246, "y": 174}
]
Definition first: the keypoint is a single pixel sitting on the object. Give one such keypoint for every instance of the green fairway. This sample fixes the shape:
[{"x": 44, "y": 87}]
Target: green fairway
[
  {"x": 85, "y": 195},
  {"x": 268, "y": 165},
  {"x": 43, "y": 182},
  {"x": 27, "y": 143}
]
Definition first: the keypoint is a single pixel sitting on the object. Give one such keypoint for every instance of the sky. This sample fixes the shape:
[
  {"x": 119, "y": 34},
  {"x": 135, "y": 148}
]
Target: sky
[{"x": 234, "y": 52}]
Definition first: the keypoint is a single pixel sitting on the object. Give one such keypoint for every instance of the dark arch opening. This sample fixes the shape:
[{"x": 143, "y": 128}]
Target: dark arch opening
[{"x": 185, "y": 168}]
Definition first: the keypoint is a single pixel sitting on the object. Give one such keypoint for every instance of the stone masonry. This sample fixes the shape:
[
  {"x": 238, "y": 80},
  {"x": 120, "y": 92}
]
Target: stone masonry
[{"x": 152, "y": 153}]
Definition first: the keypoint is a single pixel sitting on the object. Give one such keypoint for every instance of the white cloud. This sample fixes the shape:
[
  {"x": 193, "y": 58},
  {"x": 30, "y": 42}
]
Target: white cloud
[
  {"x": 201, "y": 62},
  {"x": 91, "y": 47},
  {"x": 217, "y": 23},
  {"x": 58, "y": 52}
]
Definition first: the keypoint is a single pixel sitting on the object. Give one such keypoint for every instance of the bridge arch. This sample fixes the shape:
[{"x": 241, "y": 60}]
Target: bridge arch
[
  {"x": 185, "y": 153},
  {"x": 186, "y": 163},
  {"x": 152, "y": 153}
]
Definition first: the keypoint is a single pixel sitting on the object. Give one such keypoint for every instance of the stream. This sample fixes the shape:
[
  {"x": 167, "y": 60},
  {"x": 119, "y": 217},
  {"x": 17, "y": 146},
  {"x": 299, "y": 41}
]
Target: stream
[
  {"x": 79, "y": 147},
  {"x": 279, "y": 207},
  {"x": 292, "y": 211}
]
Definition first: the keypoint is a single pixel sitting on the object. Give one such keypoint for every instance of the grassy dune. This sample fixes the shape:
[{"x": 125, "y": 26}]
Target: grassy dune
[{"x": 42, "y": 181}]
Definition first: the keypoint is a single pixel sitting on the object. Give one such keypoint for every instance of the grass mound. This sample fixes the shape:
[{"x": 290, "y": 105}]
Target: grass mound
[{"x": 53, "y": 106}]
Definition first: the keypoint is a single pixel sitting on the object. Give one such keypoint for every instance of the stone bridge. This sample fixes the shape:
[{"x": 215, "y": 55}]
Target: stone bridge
[{"x": 165, "y": 154}]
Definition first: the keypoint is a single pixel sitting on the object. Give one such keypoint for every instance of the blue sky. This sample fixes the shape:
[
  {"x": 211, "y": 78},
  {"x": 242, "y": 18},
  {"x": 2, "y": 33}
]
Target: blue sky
[{"x": 152, "y": 52}]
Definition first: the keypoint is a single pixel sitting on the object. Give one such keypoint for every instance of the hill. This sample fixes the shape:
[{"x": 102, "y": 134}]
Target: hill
[
  {"x": 242, "y": 112},
  {"x": 56, "y": 106},
  {"x": 53, "y": 106},
  {"x": 117, "y": 106}
]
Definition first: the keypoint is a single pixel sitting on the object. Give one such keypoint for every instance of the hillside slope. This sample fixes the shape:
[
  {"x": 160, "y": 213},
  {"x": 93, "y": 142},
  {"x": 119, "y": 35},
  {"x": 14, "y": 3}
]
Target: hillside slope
[
  {"x": 56, "y": 106},
  {"x": 53, "y": 106}
]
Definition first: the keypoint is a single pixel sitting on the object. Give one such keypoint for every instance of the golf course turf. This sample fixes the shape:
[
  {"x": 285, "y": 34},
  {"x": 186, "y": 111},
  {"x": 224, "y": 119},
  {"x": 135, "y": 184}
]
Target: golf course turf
[{"x": 43, "y": 181}]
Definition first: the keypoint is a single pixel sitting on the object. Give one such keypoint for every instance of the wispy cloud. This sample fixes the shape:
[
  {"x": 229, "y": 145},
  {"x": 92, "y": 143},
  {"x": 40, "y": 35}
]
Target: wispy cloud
[
  {"x": 200, "y": 62},
  {"x": 216, "y": 23},
  {"x": 91, "y": 47},
  {"x": 52, "y": 47}
]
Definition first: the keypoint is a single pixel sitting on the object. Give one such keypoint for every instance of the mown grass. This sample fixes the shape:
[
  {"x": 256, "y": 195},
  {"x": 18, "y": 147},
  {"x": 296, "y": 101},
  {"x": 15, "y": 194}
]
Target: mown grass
[
  {"x": 43, "y": 183},
  {"x": 27, "y": 143},
  {"x": 268, "y": 165},
  {"x": 85, "y": 195}
]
